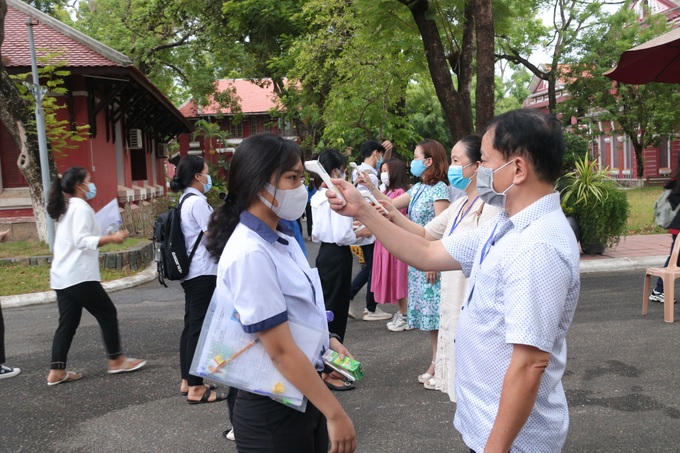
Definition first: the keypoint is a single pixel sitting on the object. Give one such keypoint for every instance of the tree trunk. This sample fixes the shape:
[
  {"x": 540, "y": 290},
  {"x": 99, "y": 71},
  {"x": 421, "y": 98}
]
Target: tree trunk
[
  {"x": 458, "y": 120},
  {"x": 15, "y": 114},
  {"x": 640, "y": 164},
  {"x": 484, "y": 93}
]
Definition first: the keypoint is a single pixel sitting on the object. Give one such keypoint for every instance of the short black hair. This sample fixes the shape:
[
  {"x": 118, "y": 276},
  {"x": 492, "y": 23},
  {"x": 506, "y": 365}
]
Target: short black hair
[
  {"x": 532, "y": 135},
  {"x": 330, "y": 159},
  {"x": 369, "y": 146}
]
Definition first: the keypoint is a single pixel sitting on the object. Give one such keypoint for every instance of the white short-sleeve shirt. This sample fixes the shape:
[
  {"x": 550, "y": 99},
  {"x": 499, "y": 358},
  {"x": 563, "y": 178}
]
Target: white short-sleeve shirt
[
  {"x": 195, "y": 216},
  {"x": 264, "y": 275},
  {"x": 523, "y": 289}
]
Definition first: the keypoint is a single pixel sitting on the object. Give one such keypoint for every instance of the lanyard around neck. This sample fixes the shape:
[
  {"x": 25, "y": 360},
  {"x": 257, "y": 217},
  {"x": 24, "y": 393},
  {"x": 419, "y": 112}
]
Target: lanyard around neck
[
  {"x": 414, "y": 199},
  {"x": 459, "y": 217},
  {"x": 487, "y": 246}
]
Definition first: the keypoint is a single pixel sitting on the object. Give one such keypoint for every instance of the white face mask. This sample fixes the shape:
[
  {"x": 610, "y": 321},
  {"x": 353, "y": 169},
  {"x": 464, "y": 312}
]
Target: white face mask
[
  {"x": 291, "y": 202},
  {"x": 385, "y": 178},
  {"x": 485, "y": 186}
]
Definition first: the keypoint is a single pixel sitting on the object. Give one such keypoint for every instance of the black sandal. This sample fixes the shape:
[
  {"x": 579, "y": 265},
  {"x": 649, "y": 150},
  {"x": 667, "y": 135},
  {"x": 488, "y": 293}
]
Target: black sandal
[
  {"x": 219, "y": 396},
  {"x": 209, "y": 386}
]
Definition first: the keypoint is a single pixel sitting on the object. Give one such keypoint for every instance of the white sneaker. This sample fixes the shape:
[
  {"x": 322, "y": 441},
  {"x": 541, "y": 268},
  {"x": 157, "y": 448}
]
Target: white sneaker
[
  {"x": 8, "y": 372},
  {"x": 398, "y": 323},
  {"x": 377, "y": 315},
  {"x": 350, "y": 313},
  {"x": 229, "y": 435}
]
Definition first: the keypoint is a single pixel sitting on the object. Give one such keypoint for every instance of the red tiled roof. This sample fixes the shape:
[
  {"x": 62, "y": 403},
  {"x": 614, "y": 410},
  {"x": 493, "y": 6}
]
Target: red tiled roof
[
  {"x": 252, "y": 98},
  {"x": 78, "y": 49}
]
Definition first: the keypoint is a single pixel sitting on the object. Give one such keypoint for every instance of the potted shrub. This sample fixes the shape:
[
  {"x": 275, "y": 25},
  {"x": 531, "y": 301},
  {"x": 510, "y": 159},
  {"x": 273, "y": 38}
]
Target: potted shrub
[{"x": 598, "y": 204}]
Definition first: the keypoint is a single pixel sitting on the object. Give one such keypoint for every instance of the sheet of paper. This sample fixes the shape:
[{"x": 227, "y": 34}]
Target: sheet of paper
[
  {"x": 108, "y": 218},
  {"x": 226, "y": 354}
]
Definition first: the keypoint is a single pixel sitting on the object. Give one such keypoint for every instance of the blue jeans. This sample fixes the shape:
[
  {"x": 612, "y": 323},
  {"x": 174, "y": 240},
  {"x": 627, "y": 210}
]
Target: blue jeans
[{"x": 659, "y": 282}]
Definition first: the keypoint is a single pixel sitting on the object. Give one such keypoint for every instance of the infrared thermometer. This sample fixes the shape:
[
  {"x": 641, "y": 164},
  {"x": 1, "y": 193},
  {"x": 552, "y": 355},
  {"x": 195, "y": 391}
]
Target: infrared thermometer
[
  {"x": 367, "y": 193},
  {"x": 315, "y": 167}
]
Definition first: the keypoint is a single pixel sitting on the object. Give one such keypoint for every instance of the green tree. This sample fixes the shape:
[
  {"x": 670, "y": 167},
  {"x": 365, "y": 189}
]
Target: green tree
[
  {"x": 643, "y": 113},
  {"x": 570, "y": 19},
  {"x": 178, "y": 44},
  {"x": 15, "y": 114}
]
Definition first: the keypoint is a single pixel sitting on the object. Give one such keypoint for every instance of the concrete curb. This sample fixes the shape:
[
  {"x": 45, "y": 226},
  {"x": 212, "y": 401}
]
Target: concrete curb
[
  {"x": 150, "y": 273},
  {"x": 46, "y": 297},
  {"x": 640, "y": 263}
]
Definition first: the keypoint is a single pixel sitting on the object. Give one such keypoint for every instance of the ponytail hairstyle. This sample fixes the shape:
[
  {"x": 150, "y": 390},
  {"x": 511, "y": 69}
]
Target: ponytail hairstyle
[
  {"x": 186, "y": 170},
  {"x": 256, "y": 159},
  {"x": 56, "y": 202},
  {"x": 473, "y": 145}
]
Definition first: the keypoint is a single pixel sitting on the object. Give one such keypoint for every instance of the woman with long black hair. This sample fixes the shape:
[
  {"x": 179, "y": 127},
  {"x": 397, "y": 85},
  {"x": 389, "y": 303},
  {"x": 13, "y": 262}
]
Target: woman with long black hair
[
  {"x": 75, "y": 277},
  {"x": 264, "y": 279},
  {"x": 194, "y": 181}
]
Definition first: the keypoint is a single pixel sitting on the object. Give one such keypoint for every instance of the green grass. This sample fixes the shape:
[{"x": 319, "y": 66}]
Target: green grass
[
  {"x": 12, "y": 249},
  {"x": 641, "y": 218},
  {"x": 22, "y": 279}
]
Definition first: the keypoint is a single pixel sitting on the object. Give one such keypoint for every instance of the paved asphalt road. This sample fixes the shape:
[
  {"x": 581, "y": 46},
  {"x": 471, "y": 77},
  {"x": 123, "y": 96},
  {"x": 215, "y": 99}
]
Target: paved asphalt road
[{"x": 622, "y": 382}]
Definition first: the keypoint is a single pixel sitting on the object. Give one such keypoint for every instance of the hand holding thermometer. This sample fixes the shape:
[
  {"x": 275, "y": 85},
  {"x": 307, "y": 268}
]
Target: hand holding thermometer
[
  {"x": 315, "y": 167},
  {"x": 367, "y": 193}
]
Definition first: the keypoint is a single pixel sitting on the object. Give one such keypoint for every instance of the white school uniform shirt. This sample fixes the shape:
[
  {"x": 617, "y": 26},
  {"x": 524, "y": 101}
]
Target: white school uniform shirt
[
  {"x": 76, "y": 247},
  {"x": 373, "y": 176},
  {"x": 195, "y": 216},
  {"x": 264, "y": 275},
  {"x": 329, "y": 226},
  {"x": 523, "y": 288}
]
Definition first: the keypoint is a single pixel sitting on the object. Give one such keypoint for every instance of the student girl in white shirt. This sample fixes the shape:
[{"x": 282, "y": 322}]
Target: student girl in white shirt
[
  {"x": 193, "y": 180},
  {"x": 75, "y": 277},
  {"x": 264, "y": 277}
]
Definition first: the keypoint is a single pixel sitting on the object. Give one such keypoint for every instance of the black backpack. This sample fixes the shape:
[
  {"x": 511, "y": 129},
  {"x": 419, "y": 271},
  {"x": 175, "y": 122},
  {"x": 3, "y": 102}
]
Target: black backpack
[{"x": 171, "y": 253}]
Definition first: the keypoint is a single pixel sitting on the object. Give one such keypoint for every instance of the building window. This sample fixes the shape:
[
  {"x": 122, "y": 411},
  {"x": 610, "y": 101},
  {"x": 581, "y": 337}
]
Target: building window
[
  {"x": 253, "y": 126},
  {"x": 237, "y": 130},
  {"x": 138, "y": 164},
  {"x": 268, "y": 125}
]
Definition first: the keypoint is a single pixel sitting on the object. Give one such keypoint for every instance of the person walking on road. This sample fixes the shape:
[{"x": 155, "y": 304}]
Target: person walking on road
[
  {"x": 75, "y": 276},
  {"x": 5, "y": 371},
  {"x": 193, "y": 180}
]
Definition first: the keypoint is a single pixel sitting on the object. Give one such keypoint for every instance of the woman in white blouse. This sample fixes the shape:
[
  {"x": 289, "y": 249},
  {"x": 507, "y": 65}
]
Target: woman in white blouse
[{"x": 75, "y": 277}]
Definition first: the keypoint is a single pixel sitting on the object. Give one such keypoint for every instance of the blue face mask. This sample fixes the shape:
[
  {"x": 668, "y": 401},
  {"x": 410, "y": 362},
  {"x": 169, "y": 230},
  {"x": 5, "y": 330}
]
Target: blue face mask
[
  {"x": 418, "y": 167},
  {"x": 91, "y": 191},
  {"x": 456, "y": 177},
  {"x": 380, "y": 162},
  {"x": 208, "y": 185}
]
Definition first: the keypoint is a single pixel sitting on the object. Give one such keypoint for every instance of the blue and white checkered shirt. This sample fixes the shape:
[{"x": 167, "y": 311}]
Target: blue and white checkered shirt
[{"x": 523, "y": 289}]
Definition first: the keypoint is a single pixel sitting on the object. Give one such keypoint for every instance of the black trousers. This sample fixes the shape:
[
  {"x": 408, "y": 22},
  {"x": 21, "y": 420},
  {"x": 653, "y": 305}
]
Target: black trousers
[
  {"x": 2, "y": 338},
  {"x": 364, "y": 277},
  {"x": 334, "y": 263},
  {"x": 71, "y": 301},
  {"x": 261, "y": 425},
  {"x": 197, "y": 294}
]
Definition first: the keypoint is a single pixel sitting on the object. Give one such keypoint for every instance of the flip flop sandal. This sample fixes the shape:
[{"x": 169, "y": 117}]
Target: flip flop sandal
[
  {"x": 209, "y": 386},
  {"x": 219, "y": 396},
  {"x": 346, "y": 385},
  {"x": 70, "y": 377},
  {"x": 127, "y": 366}
]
